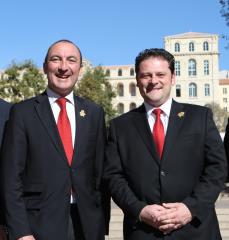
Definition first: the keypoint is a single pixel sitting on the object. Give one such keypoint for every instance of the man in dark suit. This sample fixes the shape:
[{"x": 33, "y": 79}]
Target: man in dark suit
[
  {"x": 53, "y": 155},
  {"x": 4, "y": 113},
  {"x": 165, "y": 160},
  {"x": 226, "y": 146}
]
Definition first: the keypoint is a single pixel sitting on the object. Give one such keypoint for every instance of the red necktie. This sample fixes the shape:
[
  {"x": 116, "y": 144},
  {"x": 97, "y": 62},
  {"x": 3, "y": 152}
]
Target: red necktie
[
  {"x": 64, "y": 127},
  {"x": 158, "y": 131}
]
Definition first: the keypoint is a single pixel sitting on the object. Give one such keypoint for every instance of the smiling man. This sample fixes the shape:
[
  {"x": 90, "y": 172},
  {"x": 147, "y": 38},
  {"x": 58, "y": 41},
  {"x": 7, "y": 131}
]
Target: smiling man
[
  {"x": 165, "y": 160},
  {"x": 52, "y": 159}
]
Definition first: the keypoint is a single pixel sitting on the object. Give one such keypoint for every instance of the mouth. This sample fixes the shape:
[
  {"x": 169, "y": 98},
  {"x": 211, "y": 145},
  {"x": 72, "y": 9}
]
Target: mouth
[
  {"x": 62, "y": 76},
  {"x": 152, "y": 87}
]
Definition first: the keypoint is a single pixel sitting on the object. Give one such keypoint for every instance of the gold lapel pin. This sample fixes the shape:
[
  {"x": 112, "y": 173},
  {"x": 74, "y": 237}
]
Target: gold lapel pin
[
  {"x": 181, "y": 114},
  {"x": 82, "y": 113}
]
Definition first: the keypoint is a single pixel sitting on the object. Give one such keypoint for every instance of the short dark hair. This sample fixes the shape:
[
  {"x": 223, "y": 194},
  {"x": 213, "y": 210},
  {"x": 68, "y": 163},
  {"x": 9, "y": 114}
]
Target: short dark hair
[
  {"x": 59, "y": 41},
  {"x": 154, "y": 52}
]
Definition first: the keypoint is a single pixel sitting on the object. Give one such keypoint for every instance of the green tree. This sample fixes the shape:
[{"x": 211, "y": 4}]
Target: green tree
[
  {"x": 220, "y": 116},
  {"x": 95, "y": 86},
  {"x": 224, "y": 10},
  {"x": 21, "y": 81}
]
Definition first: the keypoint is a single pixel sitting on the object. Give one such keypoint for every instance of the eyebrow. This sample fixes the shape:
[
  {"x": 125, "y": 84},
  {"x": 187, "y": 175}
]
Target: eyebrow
[{"x": 58, "y": 56}]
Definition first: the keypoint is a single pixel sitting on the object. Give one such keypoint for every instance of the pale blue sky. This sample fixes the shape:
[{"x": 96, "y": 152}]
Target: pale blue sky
[{"x": 108, "y": 32}]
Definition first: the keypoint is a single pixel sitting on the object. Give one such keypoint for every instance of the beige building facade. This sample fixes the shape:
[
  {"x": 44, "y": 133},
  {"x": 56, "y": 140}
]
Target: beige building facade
[
  {"x": 196, "y": 67},
  {"x": 122, "y": 79},
  {"x": 224, "y": 90}
]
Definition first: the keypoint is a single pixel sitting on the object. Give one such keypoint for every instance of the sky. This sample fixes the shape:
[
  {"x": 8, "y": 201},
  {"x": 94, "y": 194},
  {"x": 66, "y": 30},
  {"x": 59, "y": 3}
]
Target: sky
[{"x": 107, "y": 32}]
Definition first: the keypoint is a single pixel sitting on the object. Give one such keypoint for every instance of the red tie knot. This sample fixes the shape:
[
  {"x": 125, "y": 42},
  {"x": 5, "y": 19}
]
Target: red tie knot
[
  {"x": 62, "y": 102},
  {"x": 157, "y": 111}
]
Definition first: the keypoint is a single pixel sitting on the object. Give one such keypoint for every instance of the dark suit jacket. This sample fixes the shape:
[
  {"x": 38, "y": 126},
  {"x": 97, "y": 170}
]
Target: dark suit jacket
[
  {"x": 37, "y": 179},
  {"x": 4, "y": 113},
  {"x": 192, "y": 170},
  {"x": 226, "y": 146}
]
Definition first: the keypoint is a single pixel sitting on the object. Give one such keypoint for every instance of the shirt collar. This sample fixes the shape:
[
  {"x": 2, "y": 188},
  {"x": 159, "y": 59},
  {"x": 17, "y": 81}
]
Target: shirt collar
[
  {"x": 165, "y": 107},
  {"x": 54, "y": 96}
]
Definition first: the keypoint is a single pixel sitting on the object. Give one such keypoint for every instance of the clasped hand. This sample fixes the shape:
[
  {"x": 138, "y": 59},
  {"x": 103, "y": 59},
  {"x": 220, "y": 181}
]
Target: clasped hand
[{"x": 166, "y": 217}]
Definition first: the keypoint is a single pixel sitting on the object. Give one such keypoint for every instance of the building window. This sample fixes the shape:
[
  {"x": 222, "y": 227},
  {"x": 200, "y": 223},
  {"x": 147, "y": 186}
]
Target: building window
[
  {"x": 205, "y": 46},
  {"x": 177, "y": 47},
  {"x": 120, "y": 90},
  {"x": 192, "y": 67},
  {"x": 225, "y": 108},
  {"x": 131, "y": 72},
  {"x": 120, "y": 108},
  {"x": 225, "y": 100},
  {"x": 191, "y": 47},
  {"x": 120, "y": 72},
  {"x": 177, "y": 68},
  {"x": 207, "y": 89},
  {"x": 192, "y": 90},
  {"x": 132, "y": 89},
  {"x": 206, "y": 67},
  {"x": 224, "y": 90},
  {"x": 178, "y": 90},
  {"x": 108, "y": 73},
  {"x": 132, "y": 106}
]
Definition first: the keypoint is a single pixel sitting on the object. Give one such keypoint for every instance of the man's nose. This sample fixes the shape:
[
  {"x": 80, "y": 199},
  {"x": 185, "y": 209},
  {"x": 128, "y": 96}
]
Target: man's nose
[
  {"x": 153, "y": 79},
  {"x": 63, "y": 65}
]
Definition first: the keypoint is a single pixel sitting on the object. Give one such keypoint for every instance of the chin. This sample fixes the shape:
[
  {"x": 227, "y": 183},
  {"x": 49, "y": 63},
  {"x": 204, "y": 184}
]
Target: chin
[{"x": 154, "y": 102}]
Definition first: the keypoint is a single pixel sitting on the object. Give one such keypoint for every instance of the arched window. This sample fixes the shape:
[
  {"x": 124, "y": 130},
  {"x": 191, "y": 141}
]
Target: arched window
[
  {"x": 178, "y": 90},
  {"x": 120, "y": 90},
  {"x": 207, "y": 89},
  {"x": 192, "y": 67},
  {"x": 205, "y": 46},
  {"x": 120, "y": 108},
  {"x": 206, "y": 67},
  {"x": 177, "y": 68},
  {"x": 132, "y": 106},
  {"x": 132, "y": 89},
  {"x": 177, "y": 47},
  {"x": 191, "y": 47},
  {"x": 131, "y": 72},
  {"x": 108, "y": 73},
  {"x": 192, "y": 90},
  {"x": 120, "y": 72}
]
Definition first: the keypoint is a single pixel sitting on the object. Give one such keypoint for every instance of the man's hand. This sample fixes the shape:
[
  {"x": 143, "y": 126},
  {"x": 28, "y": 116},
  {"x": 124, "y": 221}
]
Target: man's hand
[
  {"x": 151, "y": 214},
  {"x": 2, "y": 233},
  {"x": 177, "y": 218},
  {"x": 30, "y": 237}
]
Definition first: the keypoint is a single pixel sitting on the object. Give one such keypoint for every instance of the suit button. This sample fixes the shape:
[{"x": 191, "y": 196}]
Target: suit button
[{"x": 163, "y": 174}]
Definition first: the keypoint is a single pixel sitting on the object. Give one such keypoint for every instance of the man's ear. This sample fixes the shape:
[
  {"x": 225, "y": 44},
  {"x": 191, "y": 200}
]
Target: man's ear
[
  {"x": 173, "y": 79},
  {"x": 45, "y": 67},
  {"x": 81, "y": 69},
  {"x": 137, "y": 83}
]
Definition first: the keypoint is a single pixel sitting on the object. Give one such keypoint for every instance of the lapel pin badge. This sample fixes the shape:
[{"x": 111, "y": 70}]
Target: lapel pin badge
[
  {"x": 181, "y": 114},
  {"x": 82, "y": 113}
]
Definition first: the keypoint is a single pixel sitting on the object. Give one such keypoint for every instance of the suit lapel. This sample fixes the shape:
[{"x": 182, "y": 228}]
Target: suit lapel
[
  {"x": 45, "y": 115},
  {"x": 142, "y": 126},
  {"x": 81, "y": 115},
  {"x": 176, "y": 118}
]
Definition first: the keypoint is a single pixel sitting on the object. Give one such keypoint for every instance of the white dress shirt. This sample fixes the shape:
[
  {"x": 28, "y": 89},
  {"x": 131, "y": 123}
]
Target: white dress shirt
[
  {"x": 70, "y": 108},
  {"x": 166, "y": 107}
]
